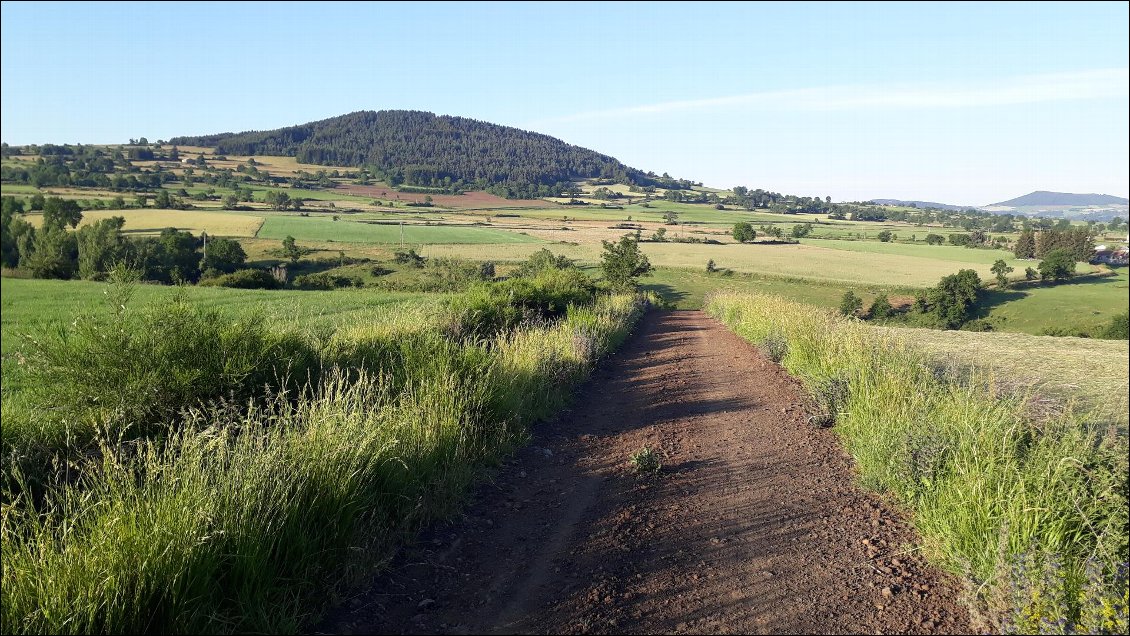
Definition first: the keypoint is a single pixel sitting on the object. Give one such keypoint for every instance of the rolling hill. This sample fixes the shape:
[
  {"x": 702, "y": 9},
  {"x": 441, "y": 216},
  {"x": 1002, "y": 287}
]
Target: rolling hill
[
  {"x": 922, "y": 204},
  {"x": 423, "y": 149},
  {"x": 1043, "y": 198}
]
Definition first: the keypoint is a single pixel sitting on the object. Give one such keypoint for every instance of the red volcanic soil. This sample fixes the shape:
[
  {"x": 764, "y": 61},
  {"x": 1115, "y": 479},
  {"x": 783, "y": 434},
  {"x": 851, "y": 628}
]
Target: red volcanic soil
[
  {"x": 755, "y": 523},
  {"x": 468, "y": 200}
]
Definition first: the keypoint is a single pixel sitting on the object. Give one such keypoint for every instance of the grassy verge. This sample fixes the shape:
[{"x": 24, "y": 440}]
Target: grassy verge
[
  {"x": 234, "y": 517},
  {"x": 1030, "y": 506}
]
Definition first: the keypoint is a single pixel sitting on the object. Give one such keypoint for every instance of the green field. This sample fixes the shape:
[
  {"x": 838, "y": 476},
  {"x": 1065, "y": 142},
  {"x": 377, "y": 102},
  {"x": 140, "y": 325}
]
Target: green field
[
  {"x": 687, "y": 289},
  {"x": 688, "y": 213},
  {"x": 346, "y": 231},
  {"x": 29, "y": 306},
  {"x": 1085, "y": 304}
]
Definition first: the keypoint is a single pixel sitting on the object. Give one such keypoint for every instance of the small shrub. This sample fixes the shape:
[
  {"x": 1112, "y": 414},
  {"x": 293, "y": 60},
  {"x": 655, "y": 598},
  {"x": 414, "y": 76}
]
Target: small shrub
[
  {"x": 881, "y": 308},
  {"x": 410, "y": 258},
  {"x": 646, "y": 461},
  {"x": 979, "y": 325},
  {"x": 1118, "y": 328},
  {"x": 850, "y": 303},
  {"x": 243, "y": 279},
  {"x": 325, "y": 281}
]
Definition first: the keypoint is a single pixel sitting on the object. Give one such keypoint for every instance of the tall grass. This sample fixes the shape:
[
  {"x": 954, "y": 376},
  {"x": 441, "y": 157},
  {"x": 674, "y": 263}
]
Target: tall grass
[
  {"x": 117, "y": 374},
  {"x": 238, "y": 518},
  {"x": 1029, "y": 505}
]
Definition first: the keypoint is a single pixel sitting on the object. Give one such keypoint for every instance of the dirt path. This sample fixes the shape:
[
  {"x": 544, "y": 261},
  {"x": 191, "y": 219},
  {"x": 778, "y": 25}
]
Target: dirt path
[{"x": 753, "y": 525}]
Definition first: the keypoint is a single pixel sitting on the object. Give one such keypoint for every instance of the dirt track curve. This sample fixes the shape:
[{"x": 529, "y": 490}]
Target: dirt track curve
[{"x": 754, "y": 524}]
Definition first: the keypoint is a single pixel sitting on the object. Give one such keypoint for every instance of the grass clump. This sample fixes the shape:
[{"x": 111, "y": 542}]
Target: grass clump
[
  {"x": 990, "y": 480},
  {"x": 646, "y": 461},
  {"x": 232, "y": 516},
  {"x": 119, "y": 374}
]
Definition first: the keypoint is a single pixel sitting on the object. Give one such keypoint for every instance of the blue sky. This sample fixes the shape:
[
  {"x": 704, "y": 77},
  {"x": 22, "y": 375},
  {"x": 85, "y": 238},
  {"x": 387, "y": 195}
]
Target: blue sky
[{"x": 958, "y": 103}]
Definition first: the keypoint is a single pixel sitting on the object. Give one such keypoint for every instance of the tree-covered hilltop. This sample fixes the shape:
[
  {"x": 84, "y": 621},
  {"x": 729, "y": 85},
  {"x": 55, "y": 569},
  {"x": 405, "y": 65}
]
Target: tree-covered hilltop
[{"x": 421, "y": 149}]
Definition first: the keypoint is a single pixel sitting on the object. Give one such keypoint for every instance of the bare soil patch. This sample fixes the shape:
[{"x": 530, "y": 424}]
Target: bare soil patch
[{"x": 753, "y": 525}]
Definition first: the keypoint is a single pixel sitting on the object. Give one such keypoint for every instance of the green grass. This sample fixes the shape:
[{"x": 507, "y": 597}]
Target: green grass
[
  {"x": 15, "y": 188},
  {"x": 1083, "y": 305},
  {"x": 993, "y": 480},
  {"x": 249, "y": 519},
  {"x": 34, "y": 306},
  {"x": 687, "y": 289},
  {"x": 347, "y": 231}
]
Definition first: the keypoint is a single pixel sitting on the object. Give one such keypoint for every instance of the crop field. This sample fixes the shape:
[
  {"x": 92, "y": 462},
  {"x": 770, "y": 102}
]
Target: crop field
[
  {"x": 347, "y": 231},
  {"x": 688, "y": 289},
  {"x": 151, "y": 221},
  {"x": 951, "y": 253},
  {"x": 277, "y": 166},
  {"x": 796, "y": 261}
]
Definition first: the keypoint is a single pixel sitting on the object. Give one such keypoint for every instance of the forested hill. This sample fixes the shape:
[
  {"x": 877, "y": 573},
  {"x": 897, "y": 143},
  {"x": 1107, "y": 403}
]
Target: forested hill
[{"x": 422, "y": 149}]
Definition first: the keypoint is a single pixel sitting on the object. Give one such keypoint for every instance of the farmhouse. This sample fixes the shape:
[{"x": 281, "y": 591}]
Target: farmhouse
[{"x": 1111, "y": 255}]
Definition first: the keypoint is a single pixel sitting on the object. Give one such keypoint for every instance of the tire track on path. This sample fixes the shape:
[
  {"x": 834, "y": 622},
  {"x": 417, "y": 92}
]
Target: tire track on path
[{"x": 754, "y": 525}]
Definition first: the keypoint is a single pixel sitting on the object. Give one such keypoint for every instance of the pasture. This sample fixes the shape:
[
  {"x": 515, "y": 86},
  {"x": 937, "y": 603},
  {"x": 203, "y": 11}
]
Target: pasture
[
  {"x": 32, "y": 306},
  {"x": 349, "y": 231},
  {"x": 1083, "y": 304}
]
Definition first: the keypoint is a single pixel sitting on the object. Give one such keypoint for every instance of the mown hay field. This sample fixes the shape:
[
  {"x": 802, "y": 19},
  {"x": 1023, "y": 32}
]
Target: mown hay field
[
  {"x": 152, "y": 221},
  {"x": 852, "y": 269},
  {"x": 1095, "y": 374}
]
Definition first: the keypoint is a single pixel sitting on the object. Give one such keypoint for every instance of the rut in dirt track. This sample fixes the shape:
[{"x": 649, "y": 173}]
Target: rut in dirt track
[{"x": 754, "y": 524}]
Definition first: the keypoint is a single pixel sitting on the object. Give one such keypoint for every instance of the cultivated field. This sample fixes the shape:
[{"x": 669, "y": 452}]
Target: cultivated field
[
  {"x": 810, "y": 261},
  {"x": 150, "y": 221},
  {"x": 350, "y": 231}
]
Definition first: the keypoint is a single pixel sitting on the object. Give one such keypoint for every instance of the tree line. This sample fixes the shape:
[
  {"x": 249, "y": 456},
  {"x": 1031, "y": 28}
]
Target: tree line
[{"x": 92, "y": 251}]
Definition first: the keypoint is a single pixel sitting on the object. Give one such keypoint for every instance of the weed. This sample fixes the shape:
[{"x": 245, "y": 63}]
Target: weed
[
  {"x": 646, "y": 461},
  {"x": 775, "y": 347}
]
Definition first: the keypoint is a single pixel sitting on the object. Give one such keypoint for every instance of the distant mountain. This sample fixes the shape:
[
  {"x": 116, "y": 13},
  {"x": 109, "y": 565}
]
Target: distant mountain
[
  {"x": 422, "y": 149},
  {"x": 1043, "y": 198},
  {"x": 922, "y": 204}
]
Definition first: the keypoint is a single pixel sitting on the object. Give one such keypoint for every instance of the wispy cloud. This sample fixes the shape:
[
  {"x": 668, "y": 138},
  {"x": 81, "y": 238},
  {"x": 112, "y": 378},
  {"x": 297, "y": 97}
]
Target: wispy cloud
[{"x": 1024, "y": 89}]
